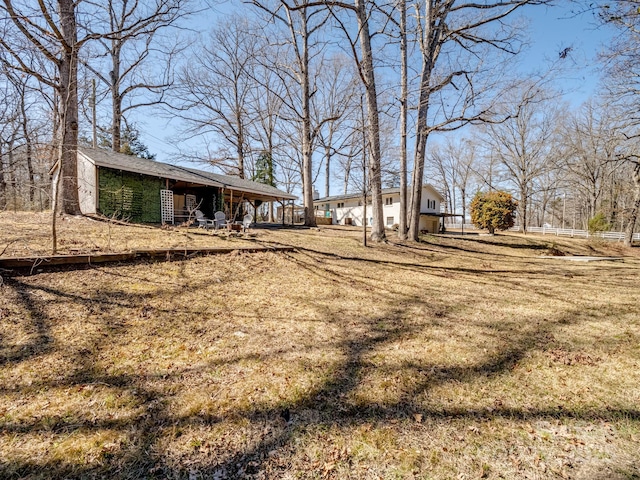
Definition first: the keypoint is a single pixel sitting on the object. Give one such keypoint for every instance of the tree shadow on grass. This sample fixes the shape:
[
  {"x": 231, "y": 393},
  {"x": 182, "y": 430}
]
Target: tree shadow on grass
[
  {"x": 493, "y": 241},
  {"x": 328, "y": 404},
  {"x": 36, "y": 324}
]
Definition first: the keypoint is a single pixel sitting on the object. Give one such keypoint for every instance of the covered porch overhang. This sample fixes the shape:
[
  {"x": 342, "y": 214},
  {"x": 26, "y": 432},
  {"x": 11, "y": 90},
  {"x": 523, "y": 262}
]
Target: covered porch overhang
[
  {"x": 229, "y": 198},
  {"x": 234, "y": 197},
  {"x": 441, "y": 217}
]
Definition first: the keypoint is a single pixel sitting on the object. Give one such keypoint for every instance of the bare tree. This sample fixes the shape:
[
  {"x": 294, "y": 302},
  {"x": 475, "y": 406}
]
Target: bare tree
[
  {"x": 635, "y": 208},
  {"x": 364, "y": 61},
  {"x": 460, "y": 33},
  {"x": 266, "y": 101},
  {"x": 8, "y": 127},
  {"x": 525, "y": 145},
  {"x": 51, "y": 30},
  {"x": 592, "y": 141},
  {"x": 336, "y": 101},
  {"x": 20, "y": 87},
  {"x": 215, "y": 89},
  {"x": 445, "y": 173},
  {"x": 138, "y": 68},
  {"x": 303, "y": 20},
  {"x": 25, "y": 120},
  {"x": 455, "y": 164},
  {"x": 45, "y": 41},
  {"x": 622, "y": 61},
  {"x": 404, "y": 94},
  {"x": 267, "y": 105}
]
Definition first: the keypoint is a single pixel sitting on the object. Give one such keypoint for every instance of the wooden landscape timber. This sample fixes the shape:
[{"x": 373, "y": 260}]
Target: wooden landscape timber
[{"x": 155, "y": 254}]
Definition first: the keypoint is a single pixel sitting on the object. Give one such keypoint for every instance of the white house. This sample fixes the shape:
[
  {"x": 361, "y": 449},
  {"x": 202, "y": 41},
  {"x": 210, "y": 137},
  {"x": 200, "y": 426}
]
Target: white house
[{"x": 347, "y": 209}]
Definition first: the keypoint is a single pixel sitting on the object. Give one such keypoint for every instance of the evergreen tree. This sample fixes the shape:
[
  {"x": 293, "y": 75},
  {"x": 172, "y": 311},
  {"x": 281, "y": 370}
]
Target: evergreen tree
[
  {"x": 264, "y": 170},
  {"x": 131, "y": 144}
]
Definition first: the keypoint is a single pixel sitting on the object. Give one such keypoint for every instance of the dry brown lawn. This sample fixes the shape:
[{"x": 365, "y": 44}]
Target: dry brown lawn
[{"x": 455, "y": 358}]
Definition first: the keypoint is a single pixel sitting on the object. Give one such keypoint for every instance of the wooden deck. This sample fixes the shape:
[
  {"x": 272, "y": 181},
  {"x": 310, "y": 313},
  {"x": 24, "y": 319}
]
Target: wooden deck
[{"x": 40, "y": 262}]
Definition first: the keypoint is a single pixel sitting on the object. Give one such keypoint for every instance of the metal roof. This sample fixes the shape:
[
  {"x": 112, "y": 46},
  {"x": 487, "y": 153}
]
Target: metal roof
[{"x": 130, "y": 163}]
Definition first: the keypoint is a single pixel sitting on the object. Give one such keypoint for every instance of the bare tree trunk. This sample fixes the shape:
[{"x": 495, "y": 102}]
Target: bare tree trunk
[
  {"x": 307, "y": 185},
  {"x": 402, "y": 221},
  {"x": 239, "y": 110},
  {"x": 28, "y": 144},
  {"x": 422, "y": 131},
  {"x": 13, "y": 180},
  {"x": 327, "y": 152},
  {"x": 347, "y": 174},
  {"x": 56, "y": 114},
  {"x": 416, "y": 182},
  {"x": 116, "y": 99},
  {"x": 54, "y": 203},
  {"x": 240, "y": 149},
  {"x": 3, "y": 183},
  {"x": 68, "y": 68},
  {"x": 364, "y": 220},
  {"x": 464, "y": 204},
  {"x": 628, "y": 238},
  {"x": 364, "y": 179},
  {"x": 523, "y": 207},
  {"x": 116, "y": 128},
  {"x": 368, "y": 73}
]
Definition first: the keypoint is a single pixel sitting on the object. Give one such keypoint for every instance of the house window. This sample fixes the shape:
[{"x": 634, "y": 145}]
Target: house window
[
  {"x": 190, "y": 203},
  {"x": 388, "y": 201},
  {"x": 389, "y": 221},
  {"x": 340, "y": 204}
]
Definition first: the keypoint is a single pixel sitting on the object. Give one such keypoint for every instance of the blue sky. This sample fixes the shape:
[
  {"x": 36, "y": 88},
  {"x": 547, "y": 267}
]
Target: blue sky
[{"x": 552, "y": 29}]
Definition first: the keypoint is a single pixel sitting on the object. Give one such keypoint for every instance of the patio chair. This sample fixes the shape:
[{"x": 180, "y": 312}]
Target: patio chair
[
  {"x": 219, "y": 220},
  {"x": 246, "y": 222},
  {"x": 203, "y": 222}
]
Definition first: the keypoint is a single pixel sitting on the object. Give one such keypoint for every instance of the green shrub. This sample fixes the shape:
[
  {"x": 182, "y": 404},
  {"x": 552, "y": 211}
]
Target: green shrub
[
  {"x": 598, "y": 223},
  {"x": 493, "y": 210}
]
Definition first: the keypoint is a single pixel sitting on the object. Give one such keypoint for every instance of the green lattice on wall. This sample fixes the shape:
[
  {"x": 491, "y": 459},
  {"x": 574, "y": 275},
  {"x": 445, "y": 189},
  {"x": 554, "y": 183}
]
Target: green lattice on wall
[{"x": 129, "y": 196}]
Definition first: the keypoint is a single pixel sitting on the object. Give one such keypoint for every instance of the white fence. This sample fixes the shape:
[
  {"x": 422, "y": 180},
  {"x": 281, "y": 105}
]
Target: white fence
[{"x": 566, "y": 232}]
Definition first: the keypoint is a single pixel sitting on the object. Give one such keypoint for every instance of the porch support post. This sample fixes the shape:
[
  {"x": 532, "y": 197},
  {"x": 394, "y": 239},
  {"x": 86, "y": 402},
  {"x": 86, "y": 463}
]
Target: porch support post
[
  {"x": 255, "y": 211},
  {"x": 284, "y": 210}
]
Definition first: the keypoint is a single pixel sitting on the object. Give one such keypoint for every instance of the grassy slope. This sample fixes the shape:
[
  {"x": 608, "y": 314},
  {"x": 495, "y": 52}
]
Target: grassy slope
[{"x": 453, "y": 358}]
